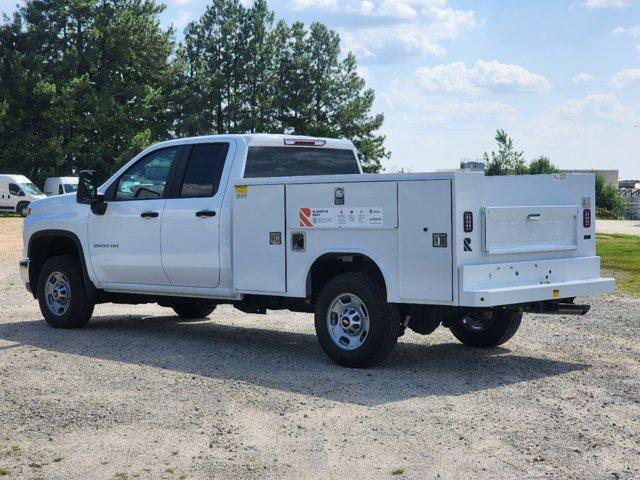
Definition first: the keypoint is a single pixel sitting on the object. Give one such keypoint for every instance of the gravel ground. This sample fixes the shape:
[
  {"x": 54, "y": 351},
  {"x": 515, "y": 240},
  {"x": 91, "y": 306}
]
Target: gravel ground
[
  {"x": 138, "y": 394},
  {"x": 627, "y": 227}
]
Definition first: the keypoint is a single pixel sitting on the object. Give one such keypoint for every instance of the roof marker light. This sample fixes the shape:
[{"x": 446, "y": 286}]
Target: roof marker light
[{"x": 310, "y": 142}]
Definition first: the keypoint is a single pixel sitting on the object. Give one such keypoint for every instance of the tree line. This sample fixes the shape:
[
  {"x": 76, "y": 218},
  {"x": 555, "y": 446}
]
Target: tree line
[{"x": 89, "y": 83}]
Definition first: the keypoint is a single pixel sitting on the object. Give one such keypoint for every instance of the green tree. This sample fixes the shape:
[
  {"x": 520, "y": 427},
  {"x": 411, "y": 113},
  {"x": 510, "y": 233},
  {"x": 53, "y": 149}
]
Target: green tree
[
  {"x": 608, "y": 200},
  {"x": 246, "y": 75},
  {"x": 88, "y": 83},
  {"x": 507, "y": 160},
  {"x": 84, "y": 83},
  {"x": 541, "y": 165}
]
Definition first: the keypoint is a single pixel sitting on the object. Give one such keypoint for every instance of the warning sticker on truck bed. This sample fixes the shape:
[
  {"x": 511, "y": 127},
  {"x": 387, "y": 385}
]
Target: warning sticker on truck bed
[{"x": 337, "y": 217}]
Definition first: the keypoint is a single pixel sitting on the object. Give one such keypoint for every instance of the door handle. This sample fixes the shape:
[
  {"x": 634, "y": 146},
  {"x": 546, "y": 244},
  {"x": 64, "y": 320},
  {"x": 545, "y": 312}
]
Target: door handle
[
  {"x": 149, "y": 214},
  {"x": 206, "y": 213}
]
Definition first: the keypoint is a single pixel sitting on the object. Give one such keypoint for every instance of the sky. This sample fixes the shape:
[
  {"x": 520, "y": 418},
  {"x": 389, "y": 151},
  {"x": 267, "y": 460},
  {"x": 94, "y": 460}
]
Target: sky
[{"x": 561, "y": 77}]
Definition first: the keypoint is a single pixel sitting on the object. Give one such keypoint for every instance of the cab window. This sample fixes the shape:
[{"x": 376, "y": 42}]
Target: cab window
[
  {"x": 15, "y": 190},
  {"x": 203, "y": 170},
  {"x": 147, "y": 179},
  {"x": 296, "y": 161}
]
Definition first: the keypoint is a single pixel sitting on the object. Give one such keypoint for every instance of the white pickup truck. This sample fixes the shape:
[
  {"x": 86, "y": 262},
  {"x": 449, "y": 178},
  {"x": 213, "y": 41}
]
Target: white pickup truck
[{"x": 279, "y": 222}]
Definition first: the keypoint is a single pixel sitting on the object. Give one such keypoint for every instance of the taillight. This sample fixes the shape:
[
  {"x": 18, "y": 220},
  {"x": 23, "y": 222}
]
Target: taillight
[
  {"x": 305, "y": 142},
  {"x": 468, "y": 222},
  {"x": 586, "y": 218}
]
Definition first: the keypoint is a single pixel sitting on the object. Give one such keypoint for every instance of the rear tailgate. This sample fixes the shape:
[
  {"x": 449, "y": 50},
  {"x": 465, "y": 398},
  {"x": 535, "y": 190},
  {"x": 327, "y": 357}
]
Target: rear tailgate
[{"x": 534, "y": 228}]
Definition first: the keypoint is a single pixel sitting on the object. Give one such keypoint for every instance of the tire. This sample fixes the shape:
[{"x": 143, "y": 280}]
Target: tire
[
  {"x": 192, "y": 312},
  {"x": 74, "y": 306},
  {"x": 378, "y": 320},
  {"x": 499, "y": 328},
  {"x": 22, "y": 208}
]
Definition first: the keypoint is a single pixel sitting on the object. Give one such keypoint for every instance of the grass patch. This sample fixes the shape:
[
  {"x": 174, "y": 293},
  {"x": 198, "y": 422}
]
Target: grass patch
[
  {"x": 58, "y": 458},
  {"x": 620, "y": 256},
  {"x": 8, "y": 214},
  {"x": 397, "y": 471},
  {"x": 4, "y": 471}
]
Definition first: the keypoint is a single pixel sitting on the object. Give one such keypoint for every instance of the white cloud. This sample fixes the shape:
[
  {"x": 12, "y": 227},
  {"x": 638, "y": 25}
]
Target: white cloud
[
  {"x": 582, "y": 77},
  {"x": 484, "y": 75},
  {"x": 625, "y": 77},
  {"x": 364, "y": 73},
  {"x": 406, "y": 102},
  {"x": 184, "y": 17},
  {"x": 389, "y": 30},
  {"x": 607, "y": 3},
  {"x": 390, "y": 44},
  {"x": 633, "y": 31},
  {"x": 599, "y": 107},
  {"x": 302, "y": 4}
]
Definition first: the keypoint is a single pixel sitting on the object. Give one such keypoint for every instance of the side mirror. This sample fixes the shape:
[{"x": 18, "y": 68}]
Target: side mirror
[{"x": 87, "y": 193}]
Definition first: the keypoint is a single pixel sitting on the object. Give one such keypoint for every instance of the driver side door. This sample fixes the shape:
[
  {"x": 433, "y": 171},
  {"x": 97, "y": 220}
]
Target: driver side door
[{"x": 124, "y": 243}]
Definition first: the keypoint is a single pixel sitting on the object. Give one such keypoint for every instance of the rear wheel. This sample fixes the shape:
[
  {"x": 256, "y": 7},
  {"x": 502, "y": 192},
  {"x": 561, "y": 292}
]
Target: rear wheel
[
  {"x": 62, "y": 295},
  {"x": 356, "y": 327},
  {"x": 486, "y": 329},
  {"x": 192, "y": 312}
]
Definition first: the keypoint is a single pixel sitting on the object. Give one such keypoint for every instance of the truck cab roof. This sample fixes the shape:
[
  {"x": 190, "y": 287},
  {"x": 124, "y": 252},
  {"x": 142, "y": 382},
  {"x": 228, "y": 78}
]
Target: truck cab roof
[{"x": 265, "y": 140}]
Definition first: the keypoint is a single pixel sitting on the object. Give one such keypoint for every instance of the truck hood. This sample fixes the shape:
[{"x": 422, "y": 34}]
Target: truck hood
[{"x": 47, "y": 204}]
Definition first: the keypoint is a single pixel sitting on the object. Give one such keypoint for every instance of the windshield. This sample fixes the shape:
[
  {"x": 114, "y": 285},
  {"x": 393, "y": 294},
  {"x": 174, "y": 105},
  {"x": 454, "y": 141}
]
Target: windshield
[
  {"x": 31, "y": 189},
  {"x": 70, "y": 187}
]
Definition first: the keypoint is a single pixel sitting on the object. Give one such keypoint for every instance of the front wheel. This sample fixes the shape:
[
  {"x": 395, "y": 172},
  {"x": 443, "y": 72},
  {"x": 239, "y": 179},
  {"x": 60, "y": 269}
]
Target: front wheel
[
  {"x": 23, "y": 209},
  {"x": 486, "y": 329},
  {"x": 356, "y": 327},
  {"x": 62, "y": 295}
]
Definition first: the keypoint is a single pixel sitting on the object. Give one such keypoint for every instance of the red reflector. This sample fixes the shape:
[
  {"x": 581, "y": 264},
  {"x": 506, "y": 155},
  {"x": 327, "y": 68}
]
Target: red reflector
[
  {"x": 468, "y": 222},
  {"x": 304, "y": 142},
  {"x": 586, "y": 218}
]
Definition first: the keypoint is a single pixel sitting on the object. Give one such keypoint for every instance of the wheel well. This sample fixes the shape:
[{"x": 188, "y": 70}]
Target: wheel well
[
  {"x": 330, "y": 265},
  {"x": 42, "y": 248}
]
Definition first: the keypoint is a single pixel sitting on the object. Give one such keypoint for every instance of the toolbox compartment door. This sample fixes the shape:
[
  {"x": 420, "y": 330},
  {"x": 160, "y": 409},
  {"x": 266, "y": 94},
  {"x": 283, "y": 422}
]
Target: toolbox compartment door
[
  {"x": 536, "y": 228},
  {"x": 259, "y": 239},
  {"x": 426, "y": 263}
]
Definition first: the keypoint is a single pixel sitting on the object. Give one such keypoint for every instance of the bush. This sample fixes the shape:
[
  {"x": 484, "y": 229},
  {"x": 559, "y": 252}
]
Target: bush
[{"x": 606, "y": 214}]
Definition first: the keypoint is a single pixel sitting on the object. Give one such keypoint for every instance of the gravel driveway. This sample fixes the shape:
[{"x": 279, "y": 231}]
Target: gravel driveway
[
  {"x": 138, "y": 394},
  {"x": 626, "y": 227}
]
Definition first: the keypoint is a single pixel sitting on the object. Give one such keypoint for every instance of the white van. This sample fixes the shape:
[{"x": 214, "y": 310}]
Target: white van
[
  {"x": 16, "y": 193},
  {"x": 60, "y": 185}
]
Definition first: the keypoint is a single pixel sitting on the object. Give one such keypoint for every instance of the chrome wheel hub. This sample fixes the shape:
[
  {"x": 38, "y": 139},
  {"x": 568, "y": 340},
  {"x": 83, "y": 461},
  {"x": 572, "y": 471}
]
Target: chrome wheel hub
[
  {"x": 348, "y": 321},
  {"x": 57, "y": 293}
]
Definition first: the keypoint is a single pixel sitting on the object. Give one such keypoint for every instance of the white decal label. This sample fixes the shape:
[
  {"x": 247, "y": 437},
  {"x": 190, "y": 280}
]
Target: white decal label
[{"x": 338, "y": 217}]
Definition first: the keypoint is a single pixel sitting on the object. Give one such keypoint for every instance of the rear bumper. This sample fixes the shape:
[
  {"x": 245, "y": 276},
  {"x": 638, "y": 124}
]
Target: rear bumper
[
  {"x": 525, "y": 282},
  {"x": 24, "y": 273}
]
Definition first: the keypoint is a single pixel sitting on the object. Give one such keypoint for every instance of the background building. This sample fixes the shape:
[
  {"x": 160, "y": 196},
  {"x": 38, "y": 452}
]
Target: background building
[
  {"x": 610, "y": 176},
  {"x": 472, "y": 165}
]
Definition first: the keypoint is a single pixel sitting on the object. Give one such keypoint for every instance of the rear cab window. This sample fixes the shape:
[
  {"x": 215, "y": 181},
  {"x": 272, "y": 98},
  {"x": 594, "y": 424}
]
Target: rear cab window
[{"x": 299, "y": 161}]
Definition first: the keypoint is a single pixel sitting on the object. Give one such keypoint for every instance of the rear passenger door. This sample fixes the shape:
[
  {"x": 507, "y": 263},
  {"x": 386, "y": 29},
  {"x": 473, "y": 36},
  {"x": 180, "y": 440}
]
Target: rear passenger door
[{"x": 190, "y": 237}]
